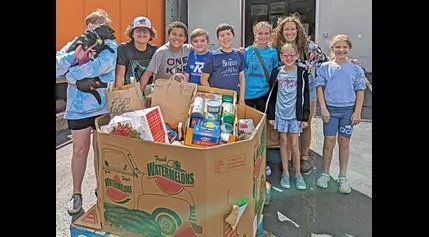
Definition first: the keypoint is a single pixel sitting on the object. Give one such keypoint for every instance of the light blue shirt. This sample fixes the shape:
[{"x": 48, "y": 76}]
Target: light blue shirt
[
  {"x": 81, "y": 104},
  {"x": 341, "y": 82},
  {"x": 257, "y": 84},
  {"x": 286, "y": 94}
]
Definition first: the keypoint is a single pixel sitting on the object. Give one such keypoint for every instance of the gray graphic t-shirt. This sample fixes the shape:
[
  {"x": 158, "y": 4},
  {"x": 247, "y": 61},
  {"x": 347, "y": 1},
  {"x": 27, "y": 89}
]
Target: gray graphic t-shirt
[
  {"x": 134, "y": 60},
  {"x": 165, "y": 63}
]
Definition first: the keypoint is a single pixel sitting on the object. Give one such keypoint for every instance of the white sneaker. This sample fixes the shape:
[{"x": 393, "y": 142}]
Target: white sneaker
[
  {"x": 344, "y": 185},
  {"x": 323, "y": 180}
]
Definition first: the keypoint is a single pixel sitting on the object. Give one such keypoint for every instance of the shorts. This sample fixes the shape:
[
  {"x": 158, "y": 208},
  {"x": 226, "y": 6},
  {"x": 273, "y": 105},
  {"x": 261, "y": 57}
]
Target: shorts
[
  {"x": 78, "y": 124},
  {"x": 312, "y": 87},
  {"x": 287, "y": 125},
  {"x": 340, "y": 121}
]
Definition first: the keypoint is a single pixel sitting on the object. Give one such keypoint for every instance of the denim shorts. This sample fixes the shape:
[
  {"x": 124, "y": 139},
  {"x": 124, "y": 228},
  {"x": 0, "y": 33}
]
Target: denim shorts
[
  {"x": 340, "y": 121},
  {"x": 287, "y": 125}
]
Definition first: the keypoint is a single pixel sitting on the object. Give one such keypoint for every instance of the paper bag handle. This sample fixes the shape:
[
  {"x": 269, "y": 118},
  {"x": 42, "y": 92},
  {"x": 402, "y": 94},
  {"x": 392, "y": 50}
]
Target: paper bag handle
[{"x": 180, "y": 75}]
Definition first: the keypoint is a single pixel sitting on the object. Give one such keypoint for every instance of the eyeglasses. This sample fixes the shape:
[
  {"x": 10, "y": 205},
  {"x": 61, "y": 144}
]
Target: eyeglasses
[
  {"x": 142, "y": 30},
  {"x": 288, "y": 55}
]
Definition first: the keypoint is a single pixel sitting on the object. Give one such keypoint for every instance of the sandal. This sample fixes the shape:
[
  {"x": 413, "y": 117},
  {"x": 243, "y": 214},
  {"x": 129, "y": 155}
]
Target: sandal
[{"x": 304, "y": 157}]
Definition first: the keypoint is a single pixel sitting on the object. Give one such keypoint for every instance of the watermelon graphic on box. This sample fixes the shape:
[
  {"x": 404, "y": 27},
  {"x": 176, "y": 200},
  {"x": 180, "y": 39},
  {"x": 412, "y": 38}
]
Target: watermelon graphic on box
[{"x": 117, "y": 191}]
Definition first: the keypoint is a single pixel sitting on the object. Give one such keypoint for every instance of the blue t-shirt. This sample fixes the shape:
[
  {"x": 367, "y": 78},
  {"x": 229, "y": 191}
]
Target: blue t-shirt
[
  {"x": 257, "y": 84},
  {"x": 195, "y": 65},
  {"x": 224, "y": 69},
  {"x": 341, "y": 82},
  {"x": 286, "y": 94}
]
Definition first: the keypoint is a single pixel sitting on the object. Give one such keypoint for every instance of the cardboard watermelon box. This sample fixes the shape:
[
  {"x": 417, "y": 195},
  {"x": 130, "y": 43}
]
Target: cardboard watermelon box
[{"x": 155, "y": 189}]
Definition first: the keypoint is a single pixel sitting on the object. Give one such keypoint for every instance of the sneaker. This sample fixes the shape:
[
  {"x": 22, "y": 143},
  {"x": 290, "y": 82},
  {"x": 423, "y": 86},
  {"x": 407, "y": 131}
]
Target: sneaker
[
  {"x": 285, "y": 181},
  {"x": 300, "y": 183},
  {"x": 75, "y": 204},
  {"x": 344, "y": 185},
  {"x": 268, "y": 170},
  {"x": 323, "y": 180}
]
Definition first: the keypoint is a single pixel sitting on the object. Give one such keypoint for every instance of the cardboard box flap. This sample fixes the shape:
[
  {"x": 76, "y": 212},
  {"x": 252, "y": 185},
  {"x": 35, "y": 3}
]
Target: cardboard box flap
[
  {"x": 90, "y": 219},
  {"x": 174, "y": 99}
]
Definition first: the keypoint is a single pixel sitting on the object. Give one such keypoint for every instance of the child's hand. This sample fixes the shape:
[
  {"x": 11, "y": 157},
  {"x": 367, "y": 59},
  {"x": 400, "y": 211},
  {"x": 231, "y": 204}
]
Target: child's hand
[
  {"x": 355, "y": 61},
  {"x": 271, "y": 122},
  {"x": 241, "y": 49},
  {"x": 304, "y": 125},
  {"x": 241, "y": 102},
  {"x": 355, "y": 118},
  {"x": 325, "y": 115}
]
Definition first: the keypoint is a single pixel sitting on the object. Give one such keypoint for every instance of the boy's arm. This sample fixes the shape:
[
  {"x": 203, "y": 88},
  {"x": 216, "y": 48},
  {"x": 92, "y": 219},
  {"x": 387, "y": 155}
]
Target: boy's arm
[
  {"x": 152, "y": 68},
  {"x": 205, "y": 79},
  {"x": 64, "y": 60},
  {"x": 242, "y": 83},
  {"x": 188, "y": 66},
  {"x": 242, "y": 80},
  {"x": 120, "y": 66},
  {"x": 206, "y": 71},
  {"x": 105, "y": 62},
  {"x": 145, "y": 79}
]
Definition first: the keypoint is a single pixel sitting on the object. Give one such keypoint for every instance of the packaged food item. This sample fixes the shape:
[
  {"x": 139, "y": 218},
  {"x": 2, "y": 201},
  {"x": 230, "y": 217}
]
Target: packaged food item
[
  {"x": 245, "y": 126},
  {"x": 212, "y": 116},
  {"x": 227, "y": 128},
  {"x": 228, "y": 113},
  {"x": 227, "y": 98},
  {"x": 198, "y": 107},
  {"x": 213, "y": 106},
  {"x": 224, "y": 137},
  {"x": 206, "y": 133}
]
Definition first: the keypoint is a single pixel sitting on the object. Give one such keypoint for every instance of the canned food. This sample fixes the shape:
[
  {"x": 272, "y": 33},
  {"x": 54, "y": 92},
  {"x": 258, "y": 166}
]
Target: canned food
[
  {"x": 198, "y": 107},
  {"x": 224, "y": 137},
  {"x": 212, "y": 116},
  {"x": 228, "y": 113},
  {"x": 227, "y": 128},
  {"x": 227, "y": 98},
  {"x": 213, "y": 106}
]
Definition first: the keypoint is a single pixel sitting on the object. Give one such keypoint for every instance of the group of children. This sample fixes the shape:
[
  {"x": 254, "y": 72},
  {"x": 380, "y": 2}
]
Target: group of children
[{"x": 276, "y": 75}]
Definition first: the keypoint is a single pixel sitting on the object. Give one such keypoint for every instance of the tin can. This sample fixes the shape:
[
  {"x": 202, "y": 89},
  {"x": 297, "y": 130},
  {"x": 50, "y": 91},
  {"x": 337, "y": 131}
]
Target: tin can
[
  {"x": 213, "y": 106},
  {"x": 228, "y": 113},
  {"x": 227, "y": 128},
  {"x": 212, "y": 116},
  {"x": 198, "y": 107},
  {"x": 224, "y": 137}
]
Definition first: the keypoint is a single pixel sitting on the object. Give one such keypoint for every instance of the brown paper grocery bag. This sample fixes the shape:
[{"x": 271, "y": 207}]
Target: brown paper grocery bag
[
  {"x": 125, "y": 98},
  {"x": 273, "y": 137},
  {"x": 174, "y": 99}
]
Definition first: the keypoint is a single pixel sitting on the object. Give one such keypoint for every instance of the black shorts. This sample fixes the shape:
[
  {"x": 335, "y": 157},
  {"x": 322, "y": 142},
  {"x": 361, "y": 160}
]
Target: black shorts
[{"x": 78, "y": 124}]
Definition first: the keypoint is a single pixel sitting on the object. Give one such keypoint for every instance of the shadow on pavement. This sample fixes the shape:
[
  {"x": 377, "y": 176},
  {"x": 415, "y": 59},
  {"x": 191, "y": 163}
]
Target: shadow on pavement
[
  {"x": 63, "y": 138},
  {"x": 315, "y": 210}
]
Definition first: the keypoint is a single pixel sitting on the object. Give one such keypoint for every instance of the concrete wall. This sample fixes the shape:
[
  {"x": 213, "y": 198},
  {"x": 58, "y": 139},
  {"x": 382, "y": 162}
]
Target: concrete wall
[
  {"x": 208, "y": 14},
  {"x": 350, "y": 17}
]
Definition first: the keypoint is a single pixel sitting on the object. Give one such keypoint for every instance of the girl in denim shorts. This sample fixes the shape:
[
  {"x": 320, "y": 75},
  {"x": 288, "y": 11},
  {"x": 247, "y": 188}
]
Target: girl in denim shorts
[
  {"x": 340, "y": 90},
  {"x": 288, "y": 109}
]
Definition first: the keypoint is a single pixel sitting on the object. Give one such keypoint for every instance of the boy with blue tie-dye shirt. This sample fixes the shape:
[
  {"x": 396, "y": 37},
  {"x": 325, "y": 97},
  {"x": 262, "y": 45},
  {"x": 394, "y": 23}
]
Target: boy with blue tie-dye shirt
[{"x": 86, "y": 100}]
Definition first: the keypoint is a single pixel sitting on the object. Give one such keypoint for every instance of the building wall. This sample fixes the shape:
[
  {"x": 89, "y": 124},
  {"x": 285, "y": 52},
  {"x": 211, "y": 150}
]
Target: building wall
[
  {"x": 351, "y": 17},
  {"x": 70, "y": 17},
  {"x": 208, "y": 14}
]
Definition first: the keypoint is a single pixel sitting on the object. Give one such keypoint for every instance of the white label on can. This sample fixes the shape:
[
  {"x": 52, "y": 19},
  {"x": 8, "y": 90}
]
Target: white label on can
[
  {"x": 228, "y": 108},
  {"x": 198, "y": 107}
]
